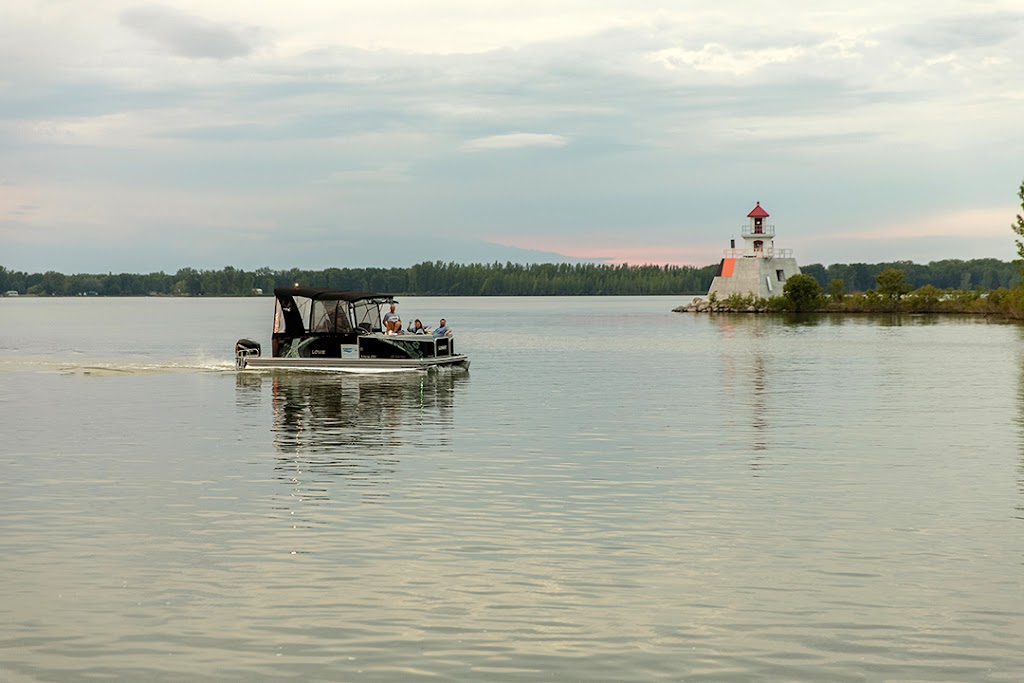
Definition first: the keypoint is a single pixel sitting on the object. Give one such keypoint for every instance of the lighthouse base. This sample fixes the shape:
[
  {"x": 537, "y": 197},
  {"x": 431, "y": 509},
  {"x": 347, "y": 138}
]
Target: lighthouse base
[{"x": 763, "y": 277}]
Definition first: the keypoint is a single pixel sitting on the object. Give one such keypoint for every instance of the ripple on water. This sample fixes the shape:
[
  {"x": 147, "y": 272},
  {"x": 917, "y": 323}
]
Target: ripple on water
[{"x": 663, "y": 497}]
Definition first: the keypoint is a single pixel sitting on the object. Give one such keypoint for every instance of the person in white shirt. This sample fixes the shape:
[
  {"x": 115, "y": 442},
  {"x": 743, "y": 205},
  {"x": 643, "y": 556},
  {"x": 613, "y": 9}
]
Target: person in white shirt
[{"x": 392, "y": 321}]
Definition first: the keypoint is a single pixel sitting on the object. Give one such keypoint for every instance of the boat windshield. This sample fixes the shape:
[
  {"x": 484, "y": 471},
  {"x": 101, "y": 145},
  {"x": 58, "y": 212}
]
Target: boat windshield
[
  {"x": 302, "y": 305},
  {"x": 320, "y": 311},
  {"x": 330, "y": 316},
  {"x": 291, "y": 314},
  {"x": 367, "y": 314}
]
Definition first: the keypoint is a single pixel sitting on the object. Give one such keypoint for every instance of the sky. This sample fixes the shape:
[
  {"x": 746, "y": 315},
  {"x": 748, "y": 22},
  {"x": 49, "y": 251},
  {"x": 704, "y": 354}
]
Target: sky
[{"x": 138, "y": 137}]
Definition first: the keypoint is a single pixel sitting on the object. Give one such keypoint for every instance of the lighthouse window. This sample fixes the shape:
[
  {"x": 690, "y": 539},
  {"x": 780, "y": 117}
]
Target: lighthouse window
[{"x": 780, "y": 274}]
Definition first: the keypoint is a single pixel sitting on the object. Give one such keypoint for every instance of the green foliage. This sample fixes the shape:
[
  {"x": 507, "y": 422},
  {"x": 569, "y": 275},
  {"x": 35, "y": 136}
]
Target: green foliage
[
  {"x": 1018, "y": 227},
  {"x": 739, "y": 302},
  {"x": 438, "y": 278},
  {"x": 837, "y": 290},
  {"x": 499, "y": 279},
  {"x": 926, "y": 299},
  {"x": 892, "y": 284},
  {"x": 961, "y": 299},
  {"x": 1012, "y": 306},
  {"x": 1008, "y": 302},
  {"x": 803, "y": 292},
  {"x": 987, "y": 273},
  {"x": 929, "y": 299}
]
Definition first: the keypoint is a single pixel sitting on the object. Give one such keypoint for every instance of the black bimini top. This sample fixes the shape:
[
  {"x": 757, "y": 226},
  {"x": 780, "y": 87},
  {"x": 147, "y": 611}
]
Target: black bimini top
[
  {"x": 315, "y": 310},
  {"x": 320, "y": 294}
]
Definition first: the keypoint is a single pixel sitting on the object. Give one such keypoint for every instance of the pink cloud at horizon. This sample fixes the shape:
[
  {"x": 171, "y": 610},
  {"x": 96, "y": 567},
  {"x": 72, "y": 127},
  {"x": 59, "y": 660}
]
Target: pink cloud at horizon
[
  {"x": 648, "y": 254},
  {"x": 965, "y": 233}
]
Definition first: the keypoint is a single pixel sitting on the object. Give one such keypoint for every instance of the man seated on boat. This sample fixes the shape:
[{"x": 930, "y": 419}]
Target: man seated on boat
[
  {"x": 442, "y": 330},
  {"x": 392, "y": 321}
]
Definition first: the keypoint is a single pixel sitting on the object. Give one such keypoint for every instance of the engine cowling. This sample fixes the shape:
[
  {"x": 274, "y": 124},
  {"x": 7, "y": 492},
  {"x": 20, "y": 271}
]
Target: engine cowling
[{"x": 245, "y": 348}]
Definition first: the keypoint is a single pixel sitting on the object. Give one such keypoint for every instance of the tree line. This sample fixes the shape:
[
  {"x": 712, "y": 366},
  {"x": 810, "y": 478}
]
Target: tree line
[
  {"x": 426, "y": 279},
  {"x": 491, "y": 279},
  {"x": 984, "y": 274}
]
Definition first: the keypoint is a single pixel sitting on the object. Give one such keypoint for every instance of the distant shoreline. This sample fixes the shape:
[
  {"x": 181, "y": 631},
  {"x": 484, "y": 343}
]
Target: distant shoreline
[{"x": 493, "y": 279}]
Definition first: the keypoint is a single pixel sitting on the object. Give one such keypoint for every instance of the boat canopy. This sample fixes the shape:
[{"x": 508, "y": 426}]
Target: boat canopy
[
  {"x": 304, "y": 310},
  {"x": 320, "y": 294}
]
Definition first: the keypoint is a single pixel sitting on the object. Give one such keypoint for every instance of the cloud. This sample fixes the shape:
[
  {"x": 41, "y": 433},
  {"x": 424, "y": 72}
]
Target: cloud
[
  {"x": 515, "y": 141},
  {"x": 391, "y": 173},
  {"x": 185, "y": 35},
  {"x": 950, "y": 34},
  {"x": 933, "y": 235},
  {"x": 619, "y": 129},
  {"x": 718, "y": 58},
  {"x": 984, "y": 222}
]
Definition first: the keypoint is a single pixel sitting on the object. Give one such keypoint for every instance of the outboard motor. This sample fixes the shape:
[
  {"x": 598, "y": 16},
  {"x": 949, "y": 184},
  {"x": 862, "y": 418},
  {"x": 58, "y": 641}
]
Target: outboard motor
[{"x": 243, "y": 349}]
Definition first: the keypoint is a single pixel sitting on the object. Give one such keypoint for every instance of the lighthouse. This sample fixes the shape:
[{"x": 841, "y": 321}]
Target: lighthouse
[{"x": 757, "y": 267}]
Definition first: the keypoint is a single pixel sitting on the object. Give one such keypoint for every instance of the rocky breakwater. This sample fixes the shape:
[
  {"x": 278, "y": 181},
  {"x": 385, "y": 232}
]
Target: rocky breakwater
[{"x": 699, "y": 305}]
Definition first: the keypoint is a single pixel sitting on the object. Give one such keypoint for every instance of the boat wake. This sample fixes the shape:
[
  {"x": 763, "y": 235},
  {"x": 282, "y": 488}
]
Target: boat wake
[{"x": 111, "y": 367}]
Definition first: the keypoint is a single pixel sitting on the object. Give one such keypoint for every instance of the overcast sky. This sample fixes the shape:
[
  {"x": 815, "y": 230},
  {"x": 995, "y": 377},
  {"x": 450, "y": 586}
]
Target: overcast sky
[{"x": 316, "y": 133}]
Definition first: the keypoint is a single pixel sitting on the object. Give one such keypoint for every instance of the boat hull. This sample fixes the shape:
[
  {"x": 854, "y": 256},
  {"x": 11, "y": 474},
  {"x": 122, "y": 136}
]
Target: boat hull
[{"x": 354, "y": 365}]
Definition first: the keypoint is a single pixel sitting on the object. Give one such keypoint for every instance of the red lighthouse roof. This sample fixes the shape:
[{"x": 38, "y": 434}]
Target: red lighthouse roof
[{"x": 758, "y": 212}]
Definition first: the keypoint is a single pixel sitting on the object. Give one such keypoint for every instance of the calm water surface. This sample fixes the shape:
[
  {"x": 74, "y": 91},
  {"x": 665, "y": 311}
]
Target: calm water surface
[{"x": 613, "y": 492}]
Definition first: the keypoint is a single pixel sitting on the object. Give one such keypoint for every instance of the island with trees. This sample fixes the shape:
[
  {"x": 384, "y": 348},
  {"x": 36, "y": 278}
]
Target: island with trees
[{"x": 982, "y": 286}]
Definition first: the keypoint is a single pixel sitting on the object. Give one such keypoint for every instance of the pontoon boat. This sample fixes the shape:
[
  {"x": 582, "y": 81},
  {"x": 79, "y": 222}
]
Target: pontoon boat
[{"x": 326, "y": 329}]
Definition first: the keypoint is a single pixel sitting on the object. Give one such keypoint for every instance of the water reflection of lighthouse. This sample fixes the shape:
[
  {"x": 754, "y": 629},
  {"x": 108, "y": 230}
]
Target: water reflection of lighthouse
[{"x": 745, "y": 380}]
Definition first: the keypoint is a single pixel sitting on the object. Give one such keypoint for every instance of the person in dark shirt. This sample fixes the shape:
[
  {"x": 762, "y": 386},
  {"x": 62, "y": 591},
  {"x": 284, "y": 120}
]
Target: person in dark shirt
[{"x": 442, "y": 330}]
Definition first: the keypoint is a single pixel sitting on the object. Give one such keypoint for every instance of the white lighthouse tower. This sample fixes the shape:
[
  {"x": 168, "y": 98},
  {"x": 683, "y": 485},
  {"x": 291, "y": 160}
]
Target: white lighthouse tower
[{"x": 757, "y": 268}]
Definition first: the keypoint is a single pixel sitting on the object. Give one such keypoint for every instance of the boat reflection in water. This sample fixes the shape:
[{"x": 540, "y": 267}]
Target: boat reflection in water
[{"x": 354, "y": 428}]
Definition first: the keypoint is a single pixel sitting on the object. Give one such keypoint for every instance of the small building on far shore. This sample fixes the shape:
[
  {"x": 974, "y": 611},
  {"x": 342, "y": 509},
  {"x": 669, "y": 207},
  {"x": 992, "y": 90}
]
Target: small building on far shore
[{"x": 757, "y": 267}]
